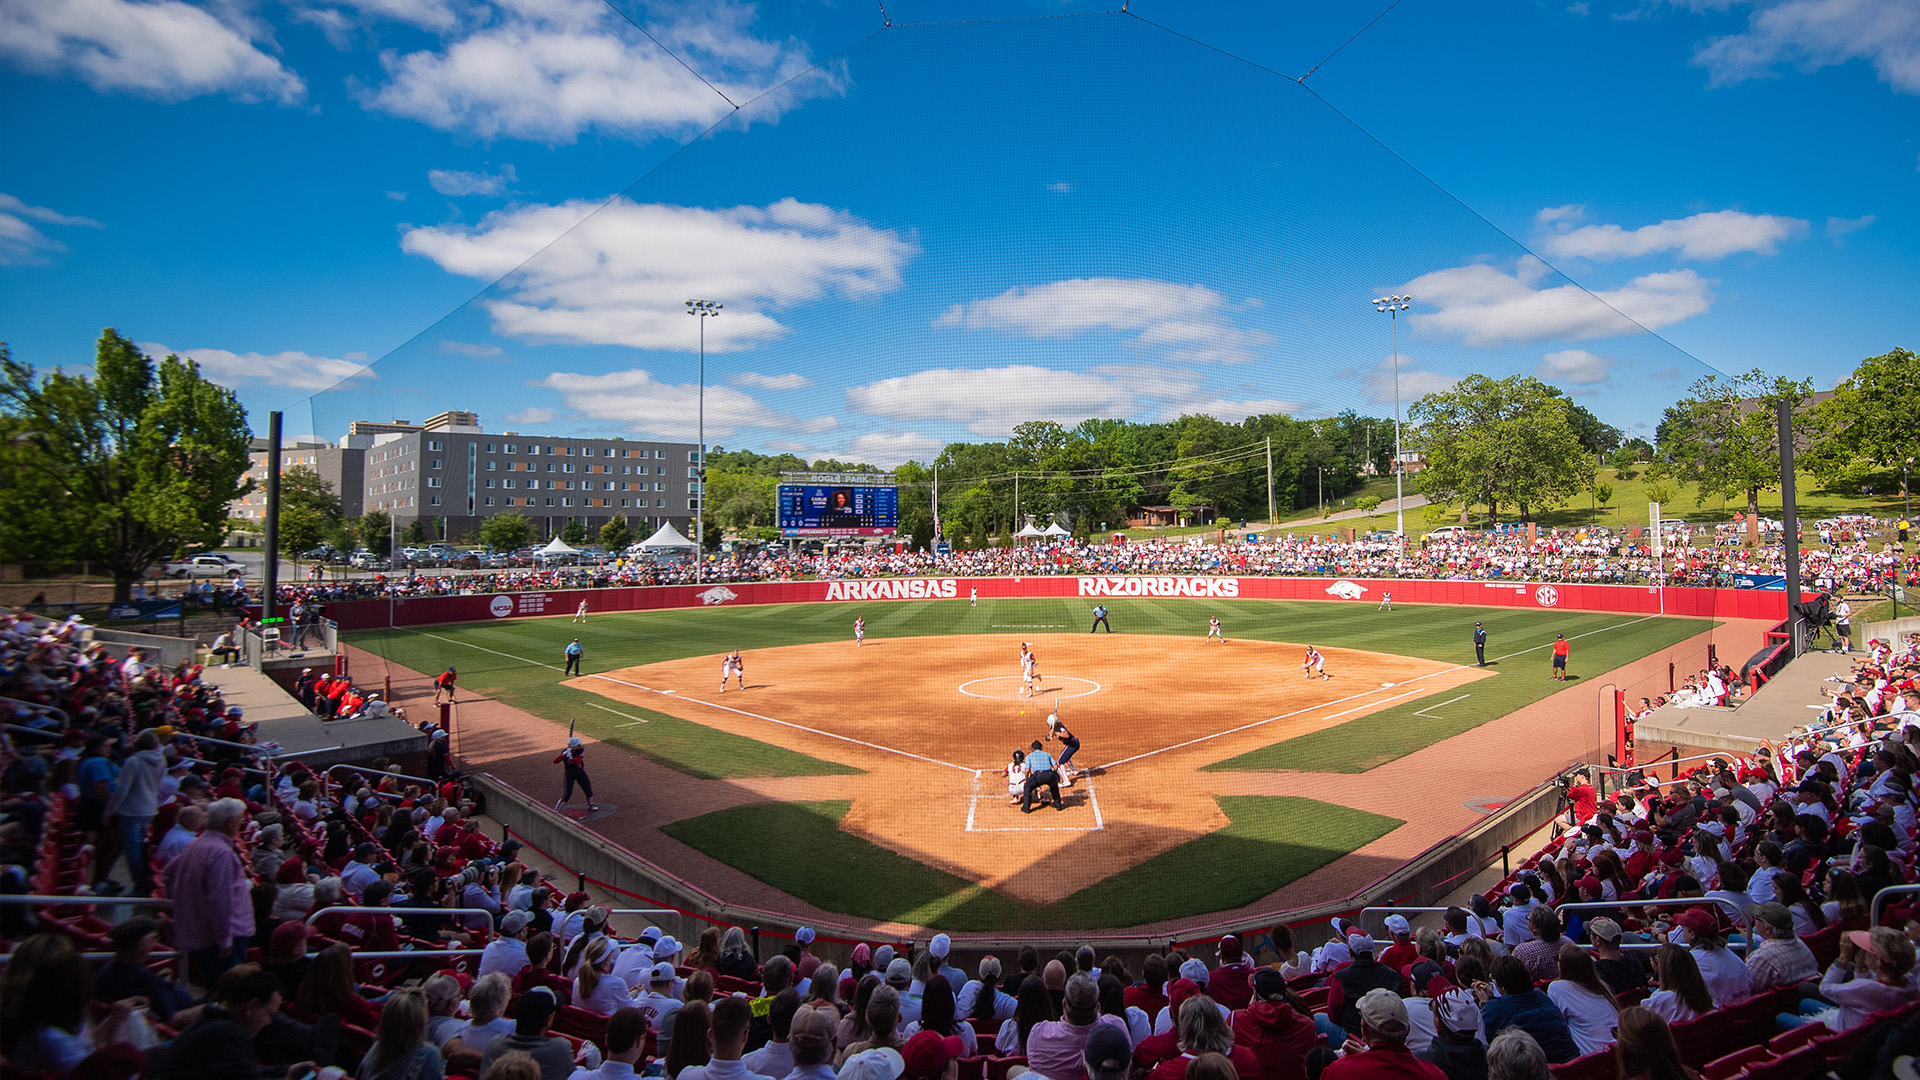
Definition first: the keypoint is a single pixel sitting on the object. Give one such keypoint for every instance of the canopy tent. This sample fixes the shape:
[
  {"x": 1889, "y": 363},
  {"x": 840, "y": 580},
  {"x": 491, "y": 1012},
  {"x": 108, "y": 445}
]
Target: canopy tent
[
  {"x": 557, "y": 546},
  {"x": 1053, "y": 529},
  {"x": 667, "y": 538},
  {"x": 1030, "y": 529}
]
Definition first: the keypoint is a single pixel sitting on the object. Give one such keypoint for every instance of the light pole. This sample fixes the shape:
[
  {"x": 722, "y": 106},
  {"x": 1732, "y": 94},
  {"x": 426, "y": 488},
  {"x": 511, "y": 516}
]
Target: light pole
[
  {"x": 1320, "y": 488},
  {"x": 1393, "y": 306},
  {"x": 705, "y": 309}
]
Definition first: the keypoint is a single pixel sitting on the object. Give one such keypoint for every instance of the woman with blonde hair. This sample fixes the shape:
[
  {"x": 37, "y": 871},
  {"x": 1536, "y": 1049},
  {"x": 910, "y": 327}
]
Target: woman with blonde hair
[
  {"x": 402, "y": 1051},
  {"x": 596, "y": 988}
]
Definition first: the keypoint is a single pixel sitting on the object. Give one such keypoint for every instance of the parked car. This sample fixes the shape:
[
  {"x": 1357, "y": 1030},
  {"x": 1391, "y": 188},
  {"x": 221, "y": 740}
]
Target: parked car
[
  {"x": 1449, "y": 532},
  {"x": 207, "y": 566}
]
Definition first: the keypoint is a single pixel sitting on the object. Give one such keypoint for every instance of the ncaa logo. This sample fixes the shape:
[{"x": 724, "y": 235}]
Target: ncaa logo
[
  {"x": 1546, "y": 595},
  {"x": 501, "y": 607}
]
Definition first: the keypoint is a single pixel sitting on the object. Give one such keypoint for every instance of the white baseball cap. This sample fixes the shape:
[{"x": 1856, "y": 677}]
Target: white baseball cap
[{"x": 1398, "y": 924}]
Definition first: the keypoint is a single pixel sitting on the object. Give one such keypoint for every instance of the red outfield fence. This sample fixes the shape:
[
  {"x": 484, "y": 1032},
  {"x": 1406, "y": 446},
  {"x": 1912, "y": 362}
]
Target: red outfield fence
[{"x": 1539, "y": 596}]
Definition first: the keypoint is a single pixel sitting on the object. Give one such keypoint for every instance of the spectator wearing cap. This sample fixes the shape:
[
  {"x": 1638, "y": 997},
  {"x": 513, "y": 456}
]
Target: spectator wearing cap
[
  {"x": 930, "y": 1055},
  {"x": 810, "y": 1040},
  {"x": 1727, "y": 978},
  {"x": 1514, "y": 928},
  {"x": 532, "y": 1016},
  {"x": 1809, "y": 844},
  {"x": 1055, "y": 1048},
  {"x": 1192, "y": 972},
  {"x": 1348, "y": 985},
  {"x": 507, "y": 952},
  {"x": 128, "y": 976},
  {"x": 804, "y": 962},
  {"x": 1622, "y": 970},
  {"x": 883, "y": 1063},
  {"x": 1229, "y": 983},
  {"x": 1164, "y": 1042},
  {"x": 1380, "y": 1047},
  {"x": 940, "y": 948},
  {"x": 1403, "y": 951},
  {"x": 1458, "y": 1045},
  {"x": 359, "y": 871},
  {"x": 727, "y": 1039},
  {"x": 1780, "y": 958},
  {"x": 626, "y": 1046},
  {"x": 1108, "y": 1056},
  {"x": 660, "y": 1003},
  {"x": 286, "y": 955},
  {"x": 1525, "y": 1006},
  {"x": 1871, "y": 975},
  {"x": 635, "y": 964},
  {"x": 899, "y": 976},
  {"x": 1273, "y": 1030},
  {"x": 212, "y": 895}
]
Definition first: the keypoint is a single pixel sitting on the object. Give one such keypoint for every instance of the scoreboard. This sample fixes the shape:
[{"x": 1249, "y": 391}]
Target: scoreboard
[{"x": 839, "y": 509}]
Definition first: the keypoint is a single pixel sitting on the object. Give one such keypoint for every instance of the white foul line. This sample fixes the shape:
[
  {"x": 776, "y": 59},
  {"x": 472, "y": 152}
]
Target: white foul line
[
  {"x": 624, "y": 716},
  {"x": 1428, "y": 711},
  {"x": 697, "y": 701}
]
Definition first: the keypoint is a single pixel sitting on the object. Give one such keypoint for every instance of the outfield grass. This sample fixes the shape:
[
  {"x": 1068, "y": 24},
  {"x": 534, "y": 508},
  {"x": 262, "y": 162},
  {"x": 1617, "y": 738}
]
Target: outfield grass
[
  {"x": 499, "y": 659},
  {"x": 800, "y": 849}
]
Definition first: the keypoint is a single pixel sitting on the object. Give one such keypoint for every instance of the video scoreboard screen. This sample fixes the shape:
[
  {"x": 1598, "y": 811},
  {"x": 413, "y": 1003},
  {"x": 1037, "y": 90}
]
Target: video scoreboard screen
[{"x": 846, "y": 509}]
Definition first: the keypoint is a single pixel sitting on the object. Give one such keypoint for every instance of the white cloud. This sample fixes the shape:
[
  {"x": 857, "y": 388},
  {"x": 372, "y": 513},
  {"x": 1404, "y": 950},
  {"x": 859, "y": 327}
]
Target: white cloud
[
  {"x": 291, "y": 369},
  {"x": 532, "y": 415},
  {"x": 888, "y": 449},
  {"x": 792, "y": 380},
  {"x": 465, "y": 348},
  {"x": 1812, "y": 34},
  {"x": 397, "y": 196},
  {"x": 552, "y": 70},
  {"x": 21, "y": 241},
  {"x": 644, "y": 405},
  {"x": 1576, "y": 366},
  {"x": 990, "y": 401},
  {"x": 1555, "y": 214},
  {"x": 1183, "y": 323},
  {"x": 1488, "y": 307},
  {"x": 161, "y": 49},
  {"x": 1838, "y": 229},
  {"x": 452, "y": 182},
  {"x": 622, "y": 277},
  {"x": 439, "y": 16},
  {"x": 1060, "y": 187},
  {"x": 1229, "y": 410},
  {"x": 1379, "y": 387},
  {"x": 1707, "y": 236}
]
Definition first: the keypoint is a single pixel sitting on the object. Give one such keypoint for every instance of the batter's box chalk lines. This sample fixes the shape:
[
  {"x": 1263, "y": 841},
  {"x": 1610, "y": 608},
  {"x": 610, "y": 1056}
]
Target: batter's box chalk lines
[
  {"x": 697, "y": 701},
  {"x": 1013, "y": 687},
  {"x": 1362, "y": 694},
  {"x": 973, "y": 802}
]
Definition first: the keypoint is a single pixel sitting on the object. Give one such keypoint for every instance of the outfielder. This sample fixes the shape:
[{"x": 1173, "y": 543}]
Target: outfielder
[
  {"x": 1213, "y": 630},
  {"x": 859, "y": 630},
  {"x": 1386, "y": 602},
  {"x": 580, "y": 615}
]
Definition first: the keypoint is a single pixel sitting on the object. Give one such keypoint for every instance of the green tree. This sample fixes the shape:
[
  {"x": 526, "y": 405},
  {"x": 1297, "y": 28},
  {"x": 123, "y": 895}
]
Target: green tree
[
  {"x": 1874, "y": 416},
  {"x": 573, "y": 533},
  {"x": 122, "y": 469},
  {"x": 415, "y": 533},
  {"x": 616, "y": 534},
  {"x": 1368, "y": 504},
  {"x": 376, "y": 532},
  {"x": 301, "y": 529},
  {"x": 302, "y": 486},
  {"x": 506, "y": 532},
  {"x": 1602, "y": 494},
  {"x": 1725, "y": 437},
  {"x": 1501, "y": 441},
  {"x": 1623, "y": 461}
]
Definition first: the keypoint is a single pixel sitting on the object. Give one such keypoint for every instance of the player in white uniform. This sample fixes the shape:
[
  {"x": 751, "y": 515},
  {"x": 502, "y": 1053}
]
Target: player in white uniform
[
  {"x": 580, "y": 613},
  {"x": 1316, "y": 664},
  {"x": 1213, "y": 630},
  {"x": 1016, "y": 777},
  {"x": 859, "y": 631},
  {"x": 973, "y": 597},
  {"x": 726, "y": 670},
  {"x": 1386, "y": 602},
  {"x": 739, "y": 669},
  {"x": 1029, "y": 673}
]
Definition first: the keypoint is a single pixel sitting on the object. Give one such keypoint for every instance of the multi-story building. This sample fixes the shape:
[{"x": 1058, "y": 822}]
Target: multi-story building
[
  {"x": 342, "y": 467},
  {"x": 451, "y": 476}
]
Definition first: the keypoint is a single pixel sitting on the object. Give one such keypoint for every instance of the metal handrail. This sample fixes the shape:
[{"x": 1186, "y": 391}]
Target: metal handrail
[
  {"x": 374, "y": 772},
  {"x": 92, "y": 901},
  {"x": 1905, "y": 890},
  {"x": 65, "y": 720},
  {"x": 1739, "y": 917},
  {"x": 408, "y": 954},
  {"x": 157, "y": 954},
  {"x": 1395, "y": 910},
  {"x": 412, "y": 912}
]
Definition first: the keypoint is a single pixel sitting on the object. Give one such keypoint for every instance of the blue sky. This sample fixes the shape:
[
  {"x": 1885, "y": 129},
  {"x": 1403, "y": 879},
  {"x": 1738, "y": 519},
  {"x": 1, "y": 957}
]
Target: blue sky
[{"x": 936, "y": 230}]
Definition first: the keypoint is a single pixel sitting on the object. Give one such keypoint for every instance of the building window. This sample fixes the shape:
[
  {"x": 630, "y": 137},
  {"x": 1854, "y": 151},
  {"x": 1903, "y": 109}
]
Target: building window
[
  {"x": 693, "y": 487},
  {"x": 433, "y": 444},
  {"x": 692, "y": 455},
  {"x": 549, "y": 502},
  {"x": 433, "y": 481},
  {"x": 611, "y": 452},
  {"x": 568, "y": 467},
  {"x": 507, "y": 483},
  {"x": 660, "y": 502},
  {"x": 549, "y": 466},
  {"x": 510, "y": 449},
  {"x": 626, "y": 470},
  {"x": 433, "y": 500},
  {"x": 693, "y": 504},
  {"x": 489, "y": 500},
  {"x": 693, "y": 473},
  {"x": 660, "y": 485},
  {"x": 492, "y": 465},
  {"x": 566, "y": 502},
  {"x": 659, "y": 453},
  {"x": 436, "y": 463},
  {"x": 489, "y": 481}
]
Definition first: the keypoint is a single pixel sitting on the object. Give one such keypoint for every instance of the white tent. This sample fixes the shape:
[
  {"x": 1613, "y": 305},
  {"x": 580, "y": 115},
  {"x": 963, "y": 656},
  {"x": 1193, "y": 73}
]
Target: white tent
[
  {"x": 1054, "y": 529},
  {"x": 557, "y": 546},
  {"x": 1029, "y": 530},
  {"x": 667, "y": 538}
]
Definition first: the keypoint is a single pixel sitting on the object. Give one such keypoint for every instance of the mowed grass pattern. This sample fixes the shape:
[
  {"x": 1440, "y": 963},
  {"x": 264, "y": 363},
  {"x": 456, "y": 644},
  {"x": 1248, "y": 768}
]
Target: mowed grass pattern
[
  {"x": 504, "y": 660},
  {"x": 1259, "y": 851}
]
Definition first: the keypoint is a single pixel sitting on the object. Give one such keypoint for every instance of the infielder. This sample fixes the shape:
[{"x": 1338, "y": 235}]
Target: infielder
[
  {"x": 1030, "y": 672},
  {"x": 580, "y": 614},
  {"x": 574, "y": 757},
  {"x": 726, "y": 670},
  {"x": 1386, "y": 602},
  {"x": 1315, "y": 664},
  {"x": 1213, "y": 630},
  {"x": 859, "y": 630},
  {"x": 739, "y": 669}
]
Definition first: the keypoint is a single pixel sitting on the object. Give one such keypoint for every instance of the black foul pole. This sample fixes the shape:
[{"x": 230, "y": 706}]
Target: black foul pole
[
  {"x": 272, "y": 562},
  {"x": 1790, "y": 531}
]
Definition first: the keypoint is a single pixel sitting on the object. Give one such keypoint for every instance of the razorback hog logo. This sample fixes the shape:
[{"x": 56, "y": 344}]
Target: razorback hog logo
[
  {"x": 1346, "y": 590},
  {"x": 719, "y": 594}
]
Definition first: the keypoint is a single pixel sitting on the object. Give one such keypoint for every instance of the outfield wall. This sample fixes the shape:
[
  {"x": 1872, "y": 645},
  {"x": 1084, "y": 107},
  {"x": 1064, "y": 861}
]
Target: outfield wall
[{"x": 1627, "y": 599}]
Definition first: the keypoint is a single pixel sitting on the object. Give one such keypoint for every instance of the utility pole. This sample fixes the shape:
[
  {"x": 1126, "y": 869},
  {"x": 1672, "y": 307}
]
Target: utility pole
[
  {"x": 1272, "y": 518},
  {"x": 1790, "y": 530}
]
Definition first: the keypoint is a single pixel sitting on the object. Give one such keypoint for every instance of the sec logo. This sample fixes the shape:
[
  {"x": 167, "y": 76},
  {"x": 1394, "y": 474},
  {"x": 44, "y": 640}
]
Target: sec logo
[{"x": 1546, "y": 595}]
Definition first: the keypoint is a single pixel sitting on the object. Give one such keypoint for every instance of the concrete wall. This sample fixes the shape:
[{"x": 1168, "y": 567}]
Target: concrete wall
[{"x": 170, "y": 651}]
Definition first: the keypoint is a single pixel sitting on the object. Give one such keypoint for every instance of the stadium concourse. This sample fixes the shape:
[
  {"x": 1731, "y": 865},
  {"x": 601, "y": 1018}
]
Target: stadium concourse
[{"x": 122, "y": 777}]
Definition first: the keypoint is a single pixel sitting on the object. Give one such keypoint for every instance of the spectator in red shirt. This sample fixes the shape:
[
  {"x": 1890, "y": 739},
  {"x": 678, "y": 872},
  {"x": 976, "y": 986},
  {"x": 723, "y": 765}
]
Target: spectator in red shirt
[
  {"x": 1149, "y": 994},
  {"x": 1380, "y": 1049},
  {"x": 1202, "y": 1030},
  {"x": 1586, "y": 802},
  {"x": 1274, "y": 1028},
  {"x": 537, "y": 973},
  {"x": 1403, "y": 951},
  {"x": 1229, "y": 984}
]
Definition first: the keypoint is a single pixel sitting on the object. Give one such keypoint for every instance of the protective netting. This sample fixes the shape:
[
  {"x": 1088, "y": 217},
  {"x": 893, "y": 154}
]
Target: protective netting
[{"x": 948, "y": 230}]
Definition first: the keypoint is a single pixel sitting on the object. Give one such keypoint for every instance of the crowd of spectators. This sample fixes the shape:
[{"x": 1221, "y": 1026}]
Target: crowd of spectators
[{"x": 1555, "y": 555}]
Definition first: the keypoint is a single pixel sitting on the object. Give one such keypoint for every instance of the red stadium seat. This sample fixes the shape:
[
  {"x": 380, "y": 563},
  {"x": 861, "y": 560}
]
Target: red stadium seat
[
  {"x": 577, "y": 1022},
  {"x": 1733, "y": 1064},
  {"x": 973, "y": 1068},
  {"x": 1794, "y": 1065},
  {"x": 1798, "y": 1037},
  {"x": 997, "y": 1067},
  {"x": 1598, "y": 1065}
]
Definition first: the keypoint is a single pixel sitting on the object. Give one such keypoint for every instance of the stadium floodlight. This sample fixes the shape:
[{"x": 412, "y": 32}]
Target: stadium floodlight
[
  {"x": 705, "y": 309},
  {"x": 1393, "y": 306}
]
